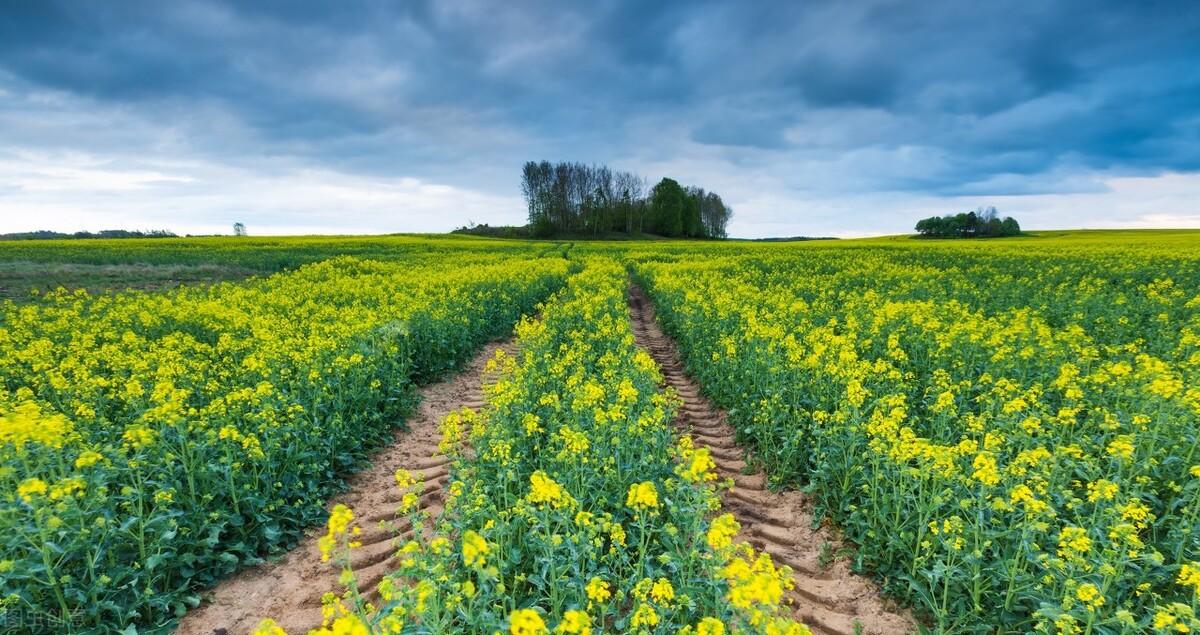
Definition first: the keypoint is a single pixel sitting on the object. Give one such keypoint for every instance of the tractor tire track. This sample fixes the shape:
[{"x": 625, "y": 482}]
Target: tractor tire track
[
  {"x": 829, "y": 598},
  {"x": 290, "y": 589}
]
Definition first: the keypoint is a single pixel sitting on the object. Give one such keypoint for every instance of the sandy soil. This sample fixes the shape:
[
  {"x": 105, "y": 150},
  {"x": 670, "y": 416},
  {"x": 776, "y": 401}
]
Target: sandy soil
[
  {"x": 290, "y": 589},
  {"x": 829, "y": 597}
]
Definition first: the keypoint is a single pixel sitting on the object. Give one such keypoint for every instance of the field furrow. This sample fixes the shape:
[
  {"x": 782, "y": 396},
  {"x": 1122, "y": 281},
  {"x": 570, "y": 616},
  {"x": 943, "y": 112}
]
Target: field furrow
[
  {"x": 291, "y": 588},
  {"x": 828, "y": 596}
]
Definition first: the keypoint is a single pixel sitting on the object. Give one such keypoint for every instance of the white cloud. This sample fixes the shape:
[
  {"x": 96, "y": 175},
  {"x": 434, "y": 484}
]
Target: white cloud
[
  {"x": 74, "y": 192},
  {"x": 35, "y": 173},
  {"x": 1168, "y": 200}
]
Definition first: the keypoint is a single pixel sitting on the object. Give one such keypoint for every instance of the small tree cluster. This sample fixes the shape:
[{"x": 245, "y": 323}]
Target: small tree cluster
[
  {"x": 691, "y": 212},
  {"x": 103, "y": 233},
  {"x": 983, "y": 222},
  {"x": 574, "y": 198}
]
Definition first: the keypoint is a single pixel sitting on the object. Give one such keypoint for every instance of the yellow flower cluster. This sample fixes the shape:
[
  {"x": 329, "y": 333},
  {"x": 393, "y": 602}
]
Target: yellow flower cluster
[
  {"x": 215, "y": 420},
  {"x": 1009, "y": 427},
  {"x": 1013, "y": 428},
  {"x": 31, "y": 488},
  {"x": 543, "y": 490},
  {"x": 1189, "y": 576},
  {"x": 696, "y": 465},
  {"x": 721, "y": 532},
  {"x": 642, "y": 496},
  {"x": 755, "y": 581},
  {"x": 526, "y": 622},
  {"x": 575, "y": 621},
  {"x": 598, "y": 591},
  {"x": 338, "y": 531},
  {"x": 574, "y": 505},
  {"x": 26, "y": 423},
  {"x": 474, "y": 549}
]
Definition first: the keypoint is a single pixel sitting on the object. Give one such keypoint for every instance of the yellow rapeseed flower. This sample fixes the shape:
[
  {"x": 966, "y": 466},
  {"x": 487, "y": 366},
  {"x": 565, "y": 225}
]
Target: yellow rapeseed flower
[
  {"x": 1090, "y": 596},
  {"x": 662, "y": 591},
  {"x": 31, "y": 488},
  {"x": 88, "y": 458},
  {"x": 575, "y": 622},
  {"x": 1189, "y": 576},
  {"x": 985, "y": 468},
  {"x": 1073, "y": 542},
  {"x": 644, "y": 616},
  {"x": 526, "y": 622},
  {"x": 721, "y": 531},
  {"x": 543, "y": 490},
  {"x": 1121, "y": 447},
  {"x": 474, "y": 549},
  {"x": 642, "y": 496},
  {"x": 699, "y": 466},
  {"x": 710, "y": 626},
  {"x": 598, "y": 590},
  {"x": 27, "y": 423},
  {"x": 340, "y": 520}
]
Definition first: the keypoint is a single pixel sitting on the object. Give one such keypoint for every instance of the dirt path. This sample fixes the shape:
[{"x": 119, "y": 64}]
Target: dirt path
[
  {"x": 829, "y": 597},
  {"x": 290, "y": 590}
]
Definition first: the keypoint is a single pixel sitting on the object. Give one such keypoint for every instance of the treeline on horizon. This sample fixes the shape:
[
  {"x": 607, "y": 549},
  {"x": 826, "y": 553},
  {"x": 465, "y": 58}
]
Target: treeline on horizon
[
  {"x": 983, "y": 222},
  {"x": 579, "y": 199},
  {"x": 104, "y": 233}
]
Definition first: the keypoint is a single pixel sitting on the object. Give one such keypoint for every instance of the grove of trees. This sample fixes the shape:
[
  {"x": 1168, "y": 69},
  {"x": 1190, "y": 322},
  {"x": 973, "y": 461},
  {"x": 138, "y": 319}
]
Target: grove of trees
[
  {"x": 983, "y": 222},
  {"x": 574, "y": 198},
  {"x": 45, "y": 234}
]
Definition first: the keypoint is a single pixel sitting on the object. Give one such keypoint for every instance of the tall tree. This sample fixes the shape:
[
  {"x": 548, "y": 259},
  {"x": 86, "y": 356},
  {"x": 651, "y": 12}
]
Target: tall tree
[
  {"x": 666, "y": 207},
  {"x": 714, "y": 215},
  {"x": 691, "y": 212},
  {"x": 628, "y": 191}
]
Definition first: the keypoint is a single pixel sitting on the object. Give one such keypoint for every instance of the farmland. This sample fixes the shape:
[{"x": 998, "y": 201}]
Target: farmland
[
  {"x": 1003, "y": 432},
  {"x": 1010, "y": 438}
]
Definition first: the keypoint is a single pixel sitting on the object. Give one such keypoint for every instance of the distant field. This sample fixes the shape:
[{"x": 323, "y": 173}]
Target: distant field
[
  {"x": 99, "y": 265},
  {"x": 258, "y": 253},
  {"x": 1108, "y": 238},
  {"x": 25, "y": 281},
  {"x": 29, "y": 269}
]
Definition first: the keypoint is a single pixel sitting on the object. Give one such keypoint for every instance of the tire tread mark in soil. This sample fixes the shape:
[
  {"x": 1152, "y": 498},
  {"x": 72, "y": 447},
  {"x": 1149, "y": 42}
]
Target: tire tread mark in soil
[
  {"x": 829, "y": 597},
  {"x": 289, "y": 590}
]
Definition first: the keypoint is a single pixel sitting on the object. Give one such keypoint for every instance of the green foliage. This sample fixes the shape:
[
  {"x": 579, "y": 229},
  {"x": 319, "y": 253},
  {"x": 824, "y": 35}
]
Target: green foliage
[
  {"x": 573, "y": 199},
  {"x": 572, "y": 501},
  {"x": 1008, "y": 432},
  {"x": 104, "y": 233},
  {"x": 263, "y": 254},
  {"x": 834, "y": 358},
  {"x": 981, "y": 223},
  {"x": 151, "y": 444},
  {"x": 667, "y": 207}
]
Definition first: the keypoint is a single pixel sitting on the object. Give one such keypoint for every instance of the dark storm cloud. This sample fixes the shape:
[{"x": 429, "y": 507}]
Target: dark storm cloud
[{"x": 942, "y": 97}]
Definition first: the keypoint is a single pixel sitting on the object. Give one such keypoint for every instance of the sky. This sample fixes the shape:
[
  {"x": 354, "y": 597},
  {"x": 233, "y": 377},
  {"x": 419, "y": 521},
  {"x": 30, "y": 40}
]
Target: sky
[{"x": 818, "y": 118}]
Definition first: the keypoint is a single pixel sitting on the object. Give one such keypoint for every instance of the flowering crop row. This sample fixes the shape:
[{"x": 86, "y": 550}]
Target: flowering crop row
[
  {"x": 573, "y": 507},
  {"x": 1010, "y": 438},
  {"x": 150, "y": 444}
]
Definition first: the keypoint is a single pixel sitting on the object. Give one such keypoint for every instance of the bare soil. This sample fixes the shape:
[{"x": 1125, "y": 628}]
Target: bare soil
[
  {"x": 290, "y": 589},
  {"x": 829, "y": 597}
]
